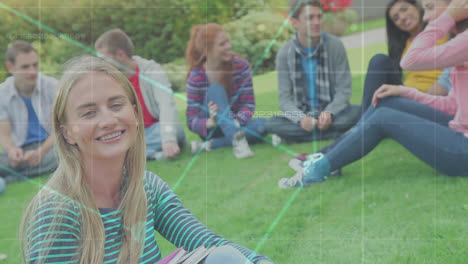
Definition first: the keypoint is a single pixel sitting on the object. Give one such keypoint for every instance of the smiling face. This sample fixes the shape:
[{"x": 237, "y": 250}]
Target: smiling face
[
  {"x": 406, "y": 17},
  {"x": 101, "y": 120},
  {"x": 309, "y": 22},
  {"x": 221, "y": 49},
  {"x": 434, "y": 8}
]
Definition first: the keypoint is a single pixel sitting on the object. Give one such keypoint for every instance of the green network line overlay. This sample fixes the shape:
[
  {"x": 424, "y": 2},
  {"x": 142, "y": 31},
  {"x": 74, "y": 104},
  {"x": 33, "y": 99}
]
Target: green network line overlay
[{"x": 180, "y": 96}]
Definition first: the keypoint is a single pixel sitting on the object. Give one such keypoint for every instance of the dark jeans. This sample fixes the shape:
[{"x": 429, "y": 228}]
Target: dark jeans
[
  {"x": 381, "y": 70},
  {"x": 293, "y": 132},
  {"x": 48, "y": 164},
  {"x": 226, "y": 127},
  {"x": 419, "y": 128}
]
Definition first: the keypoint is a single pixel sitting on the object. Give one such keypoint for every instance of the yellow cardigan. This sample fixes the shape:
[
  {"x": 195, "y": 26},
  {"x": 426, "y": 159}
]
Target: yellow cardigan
[{"x": 421, "y": 80}]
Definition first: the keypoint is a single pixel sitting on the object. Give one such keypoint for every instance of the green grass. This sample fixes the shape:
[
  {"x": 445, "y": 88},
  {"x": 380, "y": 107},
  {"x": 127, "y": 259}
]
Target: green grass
[{"x": 388, "y": 207}]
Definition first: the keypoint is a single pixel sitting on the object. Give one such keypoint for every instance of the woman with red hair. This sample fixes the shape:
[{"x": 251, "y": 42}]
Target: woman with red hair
[{"x": 220, "y": 95}]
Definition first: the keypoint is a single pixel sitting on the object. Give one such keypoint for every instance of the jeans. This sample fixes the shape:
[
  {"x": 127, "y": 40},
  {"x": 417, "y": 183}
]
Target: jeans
[
  {"x": 226, "y": 128},
  {"x": 153, "y": 138},
  {"x": 381, "y": 70},
  {"x": 226, "y": 255},
  {"x": 48, "y": 164},
  {"x": 293, "y": 132},
  {"x": 421, "y": 129}
]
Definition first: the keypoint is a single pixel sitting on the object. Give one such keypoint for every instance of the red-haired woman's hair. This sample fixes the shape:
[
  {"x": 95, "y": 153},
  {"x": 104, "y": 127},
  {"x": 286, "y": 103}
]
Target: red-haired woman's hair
[{"x": 202, "y": 40}]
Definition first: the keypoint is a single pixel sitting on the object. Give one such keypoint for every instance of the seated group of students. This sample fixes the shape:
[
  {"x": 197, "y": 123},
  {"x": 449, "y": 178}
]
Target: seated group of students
[{"x": 101, "y": 205}]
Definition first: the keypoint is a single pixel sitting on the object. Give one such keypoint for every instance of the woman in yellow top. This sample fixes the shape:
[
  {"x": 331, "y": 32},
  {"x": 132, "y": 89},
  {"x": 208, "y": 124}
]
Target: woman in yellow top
[{"x": 404, "y": 20}]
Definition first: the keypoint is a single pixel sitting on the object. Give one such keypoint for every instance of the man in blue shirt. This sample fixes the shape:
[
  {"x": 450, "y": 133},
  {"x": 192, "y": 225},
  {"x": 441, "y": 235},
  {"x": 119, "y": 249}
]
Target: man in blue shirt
[{"x": 26, "y": 103}]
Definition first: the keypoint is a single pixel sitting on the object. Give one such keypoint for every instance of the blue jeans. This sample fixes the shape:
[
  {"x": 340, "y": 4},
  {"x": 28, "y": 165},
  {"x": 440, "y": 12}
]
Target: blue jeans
[
  {"x": 293, "y": 132},
  {"x": 226, "y": 255},
  {"x": 381, "y": 70},
  {"x": 153, "y": 138},
  {"x": 421, "y": 129},
  {"x": 223, "y": 134}
]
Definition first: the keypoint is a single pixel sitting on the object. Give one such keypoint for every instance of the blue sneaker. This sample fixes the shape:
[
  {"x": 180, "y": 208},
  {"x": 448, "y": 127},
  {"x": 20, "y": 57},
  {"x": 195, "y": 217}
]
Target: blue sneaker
[{"x": 316, "y": 169}]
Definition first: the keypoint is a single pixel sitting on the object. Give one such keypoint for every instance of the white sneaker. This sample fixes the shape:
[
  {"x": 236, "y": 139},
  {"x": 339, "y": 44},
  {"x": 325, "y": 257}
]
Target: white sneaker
[
  {"x": 159, "y": 155},
  {"x": 296, "y": 165},
  {"x": 240, "y": 146},
  {"x": 195, "y": 146},
  {"x": 275, "y": 140},
  {"x": 294, "y": 181}
]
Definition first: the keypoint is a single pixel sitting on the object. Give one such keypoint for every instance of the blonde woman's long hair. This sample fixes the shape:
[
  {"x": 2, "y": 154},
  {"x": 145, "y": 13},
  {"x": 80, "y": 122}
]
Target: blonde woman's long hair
[{"x": 68, "y": 185}]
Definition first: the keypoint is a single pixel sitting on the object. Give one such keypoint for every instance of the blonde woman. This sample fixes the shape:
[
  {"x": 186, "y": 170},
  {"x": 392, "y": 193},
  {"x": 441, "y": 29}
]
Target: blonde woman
[{"x": 100, "y": 205}]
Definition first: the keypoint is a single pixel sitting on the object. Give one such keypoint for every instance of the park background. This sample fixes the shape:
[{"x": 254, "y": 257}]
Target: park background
[{"x": 386, "y": 208}]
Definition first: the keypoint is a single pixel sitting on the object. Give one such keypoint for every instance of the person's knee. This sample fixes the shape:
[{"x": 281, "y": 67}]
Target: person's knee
[
  {"x": 379, "y": 60},
  {"x": 392, "y": 102},
  {"x": 216, "y": 91},
  {"x": 260, "y": 126},
  {"x": 271, "y": 124},
  {"x": 348, "y": 118},
  {"x": 386, "y": 116}
]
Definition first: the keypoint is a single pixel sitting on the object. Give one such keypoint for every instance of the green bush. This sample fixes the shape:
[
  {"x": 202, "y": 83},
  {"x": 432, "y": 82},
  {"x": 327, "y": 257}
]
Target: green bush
[
  {"x": 258, "y": 36},
  {"x": 160, "y": 29},
  {"x": 177, "y": 74},
  {"x": 53, "y": 53}
]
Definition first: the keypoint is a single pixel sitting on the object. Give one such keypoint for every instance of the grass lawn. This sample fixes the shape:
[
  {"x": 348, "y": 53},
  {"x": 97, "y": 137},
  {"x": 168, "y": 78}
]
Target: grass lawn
[{"x": 388, "y": 207}]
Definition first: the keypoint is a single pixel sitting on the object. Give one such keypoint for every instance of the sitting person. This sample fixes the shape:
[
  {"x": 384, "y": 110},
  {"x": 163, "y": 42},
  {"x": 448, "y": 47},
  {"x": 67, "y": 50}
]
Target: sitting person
[
  {"x": 220, "y": 95},
  {"x": 405, "y": 114},
  {"x": 382, "y": 72},
  {"x": 405, "y": 19},
  {"x": 164, "y": 134},
  {"x": 26, "y": 100},
  {"x": 314, "y": 81},
  {"x": 100, "y": 205}
]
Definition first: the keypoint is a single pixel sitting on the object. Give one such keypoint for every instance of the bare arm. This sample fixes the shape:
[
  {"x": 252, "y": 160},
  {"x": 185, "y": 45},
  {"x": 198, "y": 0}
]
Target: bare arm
[
  {"x": 5, "y": 136},
  {"x": 15, "y": 154}
]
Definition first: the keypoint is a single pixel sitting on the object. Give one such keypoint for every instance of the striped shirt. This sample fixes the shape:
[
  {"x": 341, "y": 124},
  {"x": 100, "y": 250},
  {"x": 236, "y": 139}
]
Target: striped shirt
[
  {"x": 165, "y": 214},
  {"x": 242, "y": 108}
]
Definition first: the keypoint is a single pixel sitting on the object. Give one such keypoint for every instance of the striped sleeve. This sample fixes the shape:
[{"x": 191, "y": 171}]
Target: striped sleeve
[
  {"x": 179, "y": 226},
  {"x": 195, "y": 88},
  {"x": 243, "y": 90},
  {"x": 53, "y": 234}
]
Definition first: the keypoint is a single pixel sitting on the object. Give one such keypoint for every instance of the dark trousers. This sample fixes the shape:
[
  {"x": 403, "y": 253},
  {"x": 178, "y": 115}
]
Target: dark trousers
[
  {"x": 293, "y": 132},
  {"x": 48, "y": 164}
]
